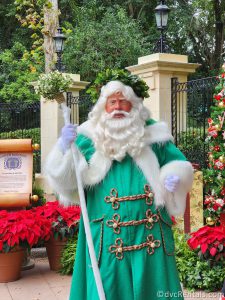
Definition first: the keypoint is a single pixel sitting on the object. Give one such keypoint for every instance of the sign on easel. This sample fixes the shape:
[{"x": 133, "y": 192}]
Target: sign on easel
[{"x": 16, "y": 169}]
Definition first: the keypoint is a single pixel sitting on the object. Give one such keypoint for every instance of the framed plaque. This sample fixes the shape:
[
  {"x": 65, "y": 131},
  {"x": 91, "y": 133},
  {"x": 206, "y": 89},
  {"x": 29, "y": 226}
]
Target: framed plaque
[{"x": 16, "y": 170}]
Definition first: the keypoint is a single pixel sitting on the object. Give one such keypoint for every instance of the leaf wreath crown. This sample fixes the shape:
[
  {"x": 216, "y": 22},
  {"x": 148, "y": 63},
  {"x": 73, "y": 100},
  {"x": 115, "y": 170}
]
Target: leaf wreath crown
[{"x": 138, "y": 85}]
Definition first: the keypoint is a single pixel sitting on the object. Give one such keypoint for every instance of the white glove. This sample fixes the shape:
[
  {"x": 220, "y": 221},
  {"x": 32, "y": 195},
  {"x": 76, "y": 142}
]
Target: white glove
[
  {"x": 171, "y": 183},
  {"x": 68, "y": 136}
]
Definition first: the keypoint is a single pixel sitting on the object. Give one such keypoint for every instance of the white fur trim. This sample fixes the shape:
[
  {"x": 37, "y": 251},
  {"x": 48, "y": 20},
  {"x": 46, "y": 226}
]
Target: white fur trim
[
  {"x": 86, "y": 129},
  {"x": 60, "y": 174},
  {"x": 149, "y": 165},
  {"x": 96, "y": 170},
  {"x": 158, "y": 133},
  {"x": 176, "y": 202}
]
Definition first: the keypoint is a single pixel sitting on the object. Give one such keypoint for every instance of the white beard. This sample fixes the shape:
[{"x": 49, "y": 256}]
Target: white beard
[{"x": 117, "y": 137}]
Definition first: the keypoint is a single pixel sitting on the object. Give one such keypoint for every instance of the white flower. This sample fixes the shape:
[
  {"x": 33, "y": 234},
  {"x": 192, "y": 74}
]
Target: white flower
[
  {"x": 220, "y": 202},
  {"x": 52, "y": 83}
]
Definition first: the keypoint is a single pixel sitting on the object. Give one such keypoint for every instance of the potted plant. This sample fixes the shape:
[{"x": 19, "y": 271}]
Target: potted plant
[
  {"x": 19, "y": 230},
  {"x": 64, "y": 225},
  {"x": 52, "y": 85}
]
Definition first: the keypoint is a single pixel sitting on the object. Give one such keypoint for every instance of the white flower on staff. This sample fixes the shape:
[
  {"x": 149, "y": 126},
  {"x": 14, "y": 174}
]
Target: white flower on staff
[{"x": 51, "y": 84}]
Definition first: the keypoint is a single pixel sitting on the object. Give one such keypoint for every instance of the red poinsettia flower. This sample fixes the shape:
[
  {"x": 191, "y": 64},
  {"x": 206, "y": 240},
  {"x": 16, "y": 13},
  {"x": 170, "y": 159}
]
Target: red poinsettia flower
[
  {"x": 210, "y": 240},
  {"x": 22, "y": 228},
  {"x": 64, "y": 220}
]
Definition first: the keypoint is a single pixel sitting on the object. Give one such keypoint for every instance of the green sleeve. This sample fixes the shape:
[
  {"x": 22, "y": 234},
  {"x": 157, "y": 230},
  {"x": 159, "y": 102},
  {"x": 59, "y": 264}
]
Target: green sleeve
[
  {"x": 167, "y": 152},
  {"x": 85, "y": 146}
]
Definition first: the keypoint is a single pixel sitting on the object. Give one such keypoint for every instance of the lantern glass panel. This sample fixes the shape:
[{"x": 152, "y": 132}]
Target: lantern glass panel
[
  {"x": 58, "y": 44},
  {"x": 161, "y": 18},
  {"x": 158, "y": 19},
  {"x": 164, "y": 18}
]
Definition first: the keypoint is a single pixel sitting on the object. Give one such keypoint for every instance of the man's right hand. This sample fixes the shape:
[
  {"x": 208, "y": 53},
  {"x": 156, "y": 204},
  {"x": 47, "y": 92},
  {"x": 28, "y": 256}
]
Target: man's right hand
[{"x": 68, "y": 136}]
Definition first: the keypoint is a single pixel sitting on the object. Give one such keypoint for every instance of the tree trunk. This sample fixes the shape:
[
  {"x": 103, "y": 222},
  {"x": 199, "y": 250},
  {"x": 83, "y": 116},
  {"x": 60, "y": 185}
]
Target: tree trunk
[
  {"x": 51, "y": 23},
  {"x": 219, "y": 34}
]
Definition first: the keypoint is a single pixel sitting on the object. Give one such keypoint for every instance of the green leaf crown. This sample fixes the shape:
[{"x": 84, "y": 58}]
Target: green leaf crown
[{"x": 138, "y": 85}]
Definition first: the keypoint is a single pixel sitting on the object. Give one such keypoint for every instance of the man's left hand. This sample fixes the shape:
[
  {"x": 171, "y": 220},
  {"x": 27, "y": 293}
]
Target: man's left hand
[{"x": 171, "y": 183}]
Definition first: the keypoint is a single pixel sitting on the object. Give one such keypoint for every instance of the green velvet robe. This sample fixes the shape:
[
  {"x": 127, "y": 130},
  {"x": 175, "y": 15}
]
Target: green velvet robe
[{"x": 138, "y": 274}]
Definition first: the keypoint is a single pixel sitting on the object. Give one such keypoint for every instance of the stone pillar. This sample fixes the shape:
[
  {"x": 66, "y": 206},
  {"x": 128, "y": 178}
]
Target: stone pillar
[
  {"x": 157, "y": 70},
  {"x": 51, "y": 124}
]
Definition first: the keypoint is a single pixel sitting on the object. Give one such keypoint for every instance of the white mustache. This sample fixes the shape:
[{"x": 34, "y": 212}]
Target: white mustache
[{"x": 121, "y": 112}]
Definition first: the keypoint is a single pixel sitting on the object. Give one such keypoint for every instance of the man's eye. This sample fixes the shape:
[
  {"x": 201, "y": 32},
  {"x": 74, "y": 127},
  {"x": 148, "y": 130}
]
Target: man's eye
[{"x": 124, "y": 101}]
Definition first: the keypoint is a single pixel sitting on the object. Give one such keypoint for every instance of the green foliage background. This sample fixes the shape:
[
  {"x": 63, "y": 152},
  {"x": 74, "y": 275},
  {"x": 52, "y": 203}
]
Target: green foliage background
[
  {"x": 17, "y": 71},
  {"x": 106, "y": 33}
]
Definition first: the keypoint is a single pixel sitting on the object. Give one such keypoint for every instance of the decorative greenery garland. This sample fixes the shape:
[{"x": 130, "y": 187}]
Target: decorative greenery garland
[{"x": 137, "y": 84}]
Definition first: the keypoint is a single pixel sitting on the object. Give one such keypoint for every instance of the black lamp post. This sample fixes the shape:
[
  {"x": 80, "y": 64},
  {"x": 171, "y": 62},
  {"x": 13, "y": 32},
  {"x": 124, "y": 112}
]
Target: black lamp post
[
  {"x": 161, "y": 14},
  {"x": 59, "y": 39}
]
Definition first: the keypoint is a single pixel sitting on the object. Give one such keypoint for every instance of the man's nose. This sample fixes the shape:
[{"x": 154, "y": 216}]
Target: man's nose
[{"x": 118, "y": 105}]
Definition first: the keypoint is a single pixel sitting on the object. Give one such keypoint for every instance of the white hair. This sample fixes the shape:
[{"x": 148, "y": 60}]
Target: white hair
[
  {"x": 114, "y": 87},
  {"x": 116, "y": 137}
]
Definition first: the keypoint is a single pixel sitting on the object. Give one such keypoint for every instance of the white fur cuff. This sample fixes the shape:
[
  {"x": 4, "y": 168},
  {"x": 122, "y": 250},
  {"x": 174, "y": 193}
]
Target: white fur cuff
[{"x": 176, "y": 202}]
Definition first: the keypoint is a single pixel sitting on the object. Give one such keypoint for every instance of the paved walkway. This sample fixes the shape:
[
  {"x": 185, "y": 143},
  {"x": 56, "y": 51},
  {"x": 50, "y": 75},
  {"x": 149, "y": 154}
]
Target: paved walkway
[{"x": 40, "y": 283}]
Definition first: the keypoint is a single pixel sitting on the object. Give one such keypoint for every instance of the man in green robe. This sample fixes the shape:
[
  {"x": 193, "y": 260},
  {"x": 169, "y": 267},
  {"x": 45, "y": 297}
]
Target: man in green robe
[{"x": 135, "y": 179}]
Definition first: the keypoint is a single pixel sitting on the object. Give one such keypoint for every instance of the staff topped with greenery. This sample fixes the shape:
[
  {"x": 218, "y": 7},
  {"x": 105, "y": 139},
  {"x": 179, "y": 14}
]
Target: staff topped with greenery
[{"x": 136, "y": 83}]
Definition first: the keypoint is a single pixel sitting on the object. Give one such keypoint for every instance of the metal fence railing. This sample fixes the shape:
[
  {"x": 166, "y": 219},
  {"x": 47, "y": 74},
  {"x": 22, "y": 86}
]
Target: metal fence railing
[
  {"x": 80, "y": 107},
  {"x": 22, "y": 120},
  {"x": 190, "y": 106}
]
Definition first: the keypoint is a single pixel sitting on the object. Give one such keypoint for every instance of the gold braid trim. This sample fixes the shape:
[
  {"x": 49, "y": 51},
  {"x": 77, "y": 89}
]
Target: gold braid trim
[
  {"x": 114, "y": 199},
  {"x": 119, "y": 249},
  {"x": 149, "y": 221}
]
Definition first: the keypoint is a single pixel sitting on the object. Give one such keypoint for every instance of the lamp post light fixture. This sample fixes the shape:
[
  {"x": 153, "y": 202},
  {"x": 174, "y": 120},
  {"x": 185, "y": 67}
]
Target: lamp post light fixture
[
  {"x": 59, "y": 40},
  {"x": 161, "y": 14}
]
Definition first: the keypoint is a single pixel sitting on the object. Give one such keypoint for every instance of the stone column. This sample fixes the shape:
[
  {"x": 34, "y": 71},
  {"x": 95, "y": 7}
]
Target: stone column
[
  {"x": 51, "y": 124},
  {"x": 157, "y": 70}
]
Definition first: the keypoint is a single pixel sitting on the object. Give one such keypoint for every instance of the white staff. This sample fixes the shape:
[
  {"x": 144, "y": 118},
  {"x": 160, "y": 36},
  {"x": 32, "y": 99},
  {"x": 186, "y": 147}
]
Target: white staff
[{"x": 97, "y": 276}]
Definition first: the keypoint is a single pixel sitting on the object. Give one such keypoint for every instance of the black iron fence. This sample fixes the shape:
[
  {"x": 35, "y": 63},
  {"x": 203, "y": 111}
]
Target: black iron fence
[
  {"x": 190, "y": 107},
  {"x": 21, "y": 120},
  {"x": 80, "y": 107}
]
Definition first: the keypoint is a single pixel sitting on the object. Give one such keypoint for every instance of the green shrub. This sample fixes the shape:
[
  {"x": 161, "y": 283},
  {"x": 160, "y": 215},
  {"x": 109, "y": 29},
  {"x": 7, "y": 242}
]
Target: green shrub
[
  {"x": 195, "y": 273},
  {"x": 68, "y": 256},
  {"x": 33, "y": 133}
]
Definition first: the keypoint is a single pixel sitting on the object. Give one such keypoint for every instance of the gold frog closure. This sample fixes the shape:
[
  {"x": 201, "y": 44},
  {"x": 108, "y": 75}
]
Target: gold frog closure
[
  {"x": 148, "y": 221},
  {"x": 119, "y": 247},
  {"x": 114, "y": 199}
]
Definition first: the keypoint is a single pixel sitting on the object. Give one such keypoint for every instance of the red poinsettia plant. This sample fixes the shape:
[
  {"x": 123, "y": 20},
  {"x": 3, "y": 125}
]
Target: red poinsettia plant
[
  {"x": 209, "y": 241},
  {"x": 64, "y": 220},
  {"x": 23, "y": 228}
]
